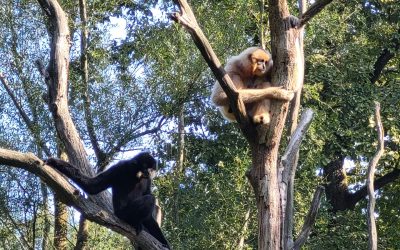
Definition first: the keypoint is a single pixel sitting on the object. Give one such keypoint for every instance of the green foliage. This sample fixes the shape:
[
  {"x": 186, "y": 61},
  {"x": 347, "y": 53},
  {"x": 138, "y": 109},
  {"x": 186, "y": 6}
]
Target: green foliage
[
  {"x": 207, "y": 209},
  {"x": 156, "y": 71}
]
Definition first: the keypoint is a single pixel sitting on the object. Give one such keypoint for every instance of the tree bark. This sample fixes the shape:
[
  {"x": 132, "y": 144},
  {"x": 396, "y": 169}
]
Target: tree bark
[
  {"x": 46, "y": 219},
  {"x": 56, "y": 77},
  {"x": 373, "y": 237},
  {"x": 60, "y": 224},
  {"x": 264, "y": 141},
  {"x": 83, "y": 234}
]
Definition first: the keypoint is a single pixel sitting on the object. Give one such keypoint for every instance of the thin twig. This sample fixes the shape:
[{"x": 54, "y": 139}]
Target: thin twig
[{"x": 24, "y": 116}]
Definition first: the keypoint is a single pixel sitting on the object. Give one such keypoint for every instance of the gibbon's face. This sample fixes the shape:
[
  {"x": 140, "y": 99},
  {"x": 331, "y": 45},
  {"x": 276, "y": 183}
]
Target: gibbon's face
[{"x": 261, "y": 62}]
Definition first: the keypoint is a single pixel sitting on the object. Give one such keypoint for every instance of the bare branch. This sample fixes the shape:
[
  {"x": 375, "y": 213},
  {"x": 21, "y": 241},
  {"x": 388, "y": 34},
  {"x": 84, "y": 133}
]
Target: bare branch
[
  {"x": 188, "y": 20},
  {"x": 84, "y": 70},
  {"x": 310, "y": 219},
  {"x": 372, "y": 239},
  {"x": 378, "y": 183},
  {"x": 57, "y": 83},
  {"x": 72, "y": 196},
  {"x": 289, "y": 156},
  {"x": 288, "y": 169},
  {"x": 314, "y": 9},
  {"x": 24, "y": 116}
]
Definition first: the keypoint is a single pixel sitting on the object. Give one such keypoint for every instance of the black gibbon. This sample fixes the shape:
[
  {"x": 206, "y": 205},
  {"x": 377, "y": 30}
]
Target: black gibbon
[{"x": 130, "y": 182}]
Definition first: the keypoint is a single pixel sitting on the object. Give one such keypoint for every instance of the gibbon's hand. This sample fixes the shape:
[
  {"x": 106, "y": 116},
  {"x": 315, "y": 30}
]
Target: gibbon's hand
[{"x": 61, "y": 165}]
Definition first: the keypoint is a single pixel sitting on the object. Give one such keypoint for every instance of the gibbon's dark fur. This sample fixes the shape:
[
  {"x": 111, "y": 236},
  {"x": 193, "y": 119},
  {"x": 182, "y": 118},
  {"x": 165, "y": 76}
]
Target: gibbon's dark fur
[{"x": 130, "y": 182}]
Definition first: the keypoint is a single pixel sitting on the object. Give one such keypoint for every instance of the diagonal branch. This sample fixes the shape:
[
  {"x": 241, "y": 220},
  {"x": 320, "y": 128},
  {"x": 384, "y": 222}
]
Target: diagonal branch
[
  {"x": 378, "y": 183},
  {"x": 313, "y": 10},
  {"x": 56, "y": 77},
  {"x": 288, "y": 168},
  {"x": 386, "y": 55},
  {"x": 72, "y": 196},
  {"x": 310, "y": 219},
  {"x": 127, "y": 138},
  {"x": 380, "y": 64},
  {"x": 188, "y": 20},
  {"x": 24, "y": 116},
  {"x": 57, "y": 82},
  {"x": 289, "y": 156}
]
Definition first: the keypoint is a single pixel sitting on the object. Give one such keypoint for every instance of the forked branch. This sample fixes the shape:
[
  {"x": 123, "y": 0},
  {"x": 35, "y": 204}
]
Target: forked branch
[{"x": 314, "y": 9}]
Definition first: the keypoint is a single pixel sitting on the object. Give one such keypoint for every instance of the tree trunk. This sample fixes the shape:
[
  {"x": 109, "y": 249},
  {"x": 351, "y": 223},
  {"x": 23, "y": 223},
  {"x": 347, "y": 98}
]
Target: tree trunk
[
  {"x": 60, "y": 224},
  {"x": 46, "y": 227},
  {"x": 83, "y": 234},
  {"x": 264, "y": 179}
]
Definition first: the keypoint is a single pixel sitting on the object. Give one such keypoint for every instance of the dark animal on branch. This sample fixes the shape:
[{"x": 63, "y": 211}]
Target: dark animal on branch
[{"x": 130, "y": 181}]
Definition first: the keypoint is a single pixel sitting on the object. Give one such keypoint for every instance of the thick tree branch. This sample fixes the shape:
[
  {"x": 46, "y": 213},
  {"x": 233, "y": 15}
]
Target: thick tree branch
[
  {"x": 310, "y": 219},
  {"x": 386, "y": 55},
  {"x": 188, "y": 20},
  {"x": 313, "y": 10},
  {"x": 373, "y": 238},
  {"x": 72, "y": 196},
  {"x": 288, "y": 169},
  {"x": 57, "y": 82},
  {"x": 379, "y": 183}
]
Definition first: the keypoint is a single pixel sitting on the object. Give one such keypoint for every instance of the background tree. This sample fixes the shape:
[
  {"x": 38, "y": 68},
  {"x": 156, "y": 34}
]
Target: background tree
[{"x": 345, "y": 45}]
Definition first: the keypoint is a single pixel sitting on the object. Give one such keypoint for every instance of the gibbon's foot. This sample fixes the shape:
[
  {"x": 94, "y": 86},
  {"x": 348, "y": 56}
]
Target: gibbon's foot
[{"x": 262, "y": 119}]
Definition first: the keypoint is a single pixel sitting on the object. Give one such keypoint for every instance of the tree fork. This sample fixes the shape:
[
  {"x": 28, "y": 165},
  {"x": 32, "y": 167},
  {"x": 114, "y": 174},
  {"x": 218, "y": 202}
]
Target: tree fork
[{"x": 264, "y": 141}]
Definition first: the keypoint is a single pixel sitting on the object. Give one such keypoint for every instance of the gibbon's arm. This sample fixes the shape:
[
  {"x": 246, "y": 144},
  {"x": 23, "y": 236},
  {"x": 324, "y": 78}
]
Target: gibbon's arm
[
  {"x": 90, "y": 185},
  {"x": 219, "y": 97},
  {"x": 254, "y": 95}
]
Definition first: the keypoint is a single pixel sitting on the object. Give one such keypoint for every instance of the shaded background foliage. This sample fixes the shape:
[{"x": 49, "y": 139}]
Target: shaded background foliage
[{"x": 154, "y": 72}]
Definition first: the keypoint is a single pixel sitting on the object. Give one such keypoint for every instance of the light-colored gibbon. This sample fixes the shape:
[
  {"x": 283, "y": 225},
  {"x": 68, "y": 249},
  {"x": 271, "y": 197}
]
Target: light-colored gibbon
[{"x": 250, "y": 71}]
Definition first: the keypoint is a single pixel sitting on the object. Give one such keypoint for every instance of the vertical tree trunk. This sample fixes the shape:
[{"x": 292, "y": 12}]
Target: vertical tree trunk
[
  {"x": 46, "y": 227},
  {"x": 60, "y": 224},
  {"x": 60, "y": 215},
  {"x": 373, "y": 237},
  {"x": 181, "y": 143},
  {"x": 83, "y": 234},
  {"x": 264, "y": 179}
]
